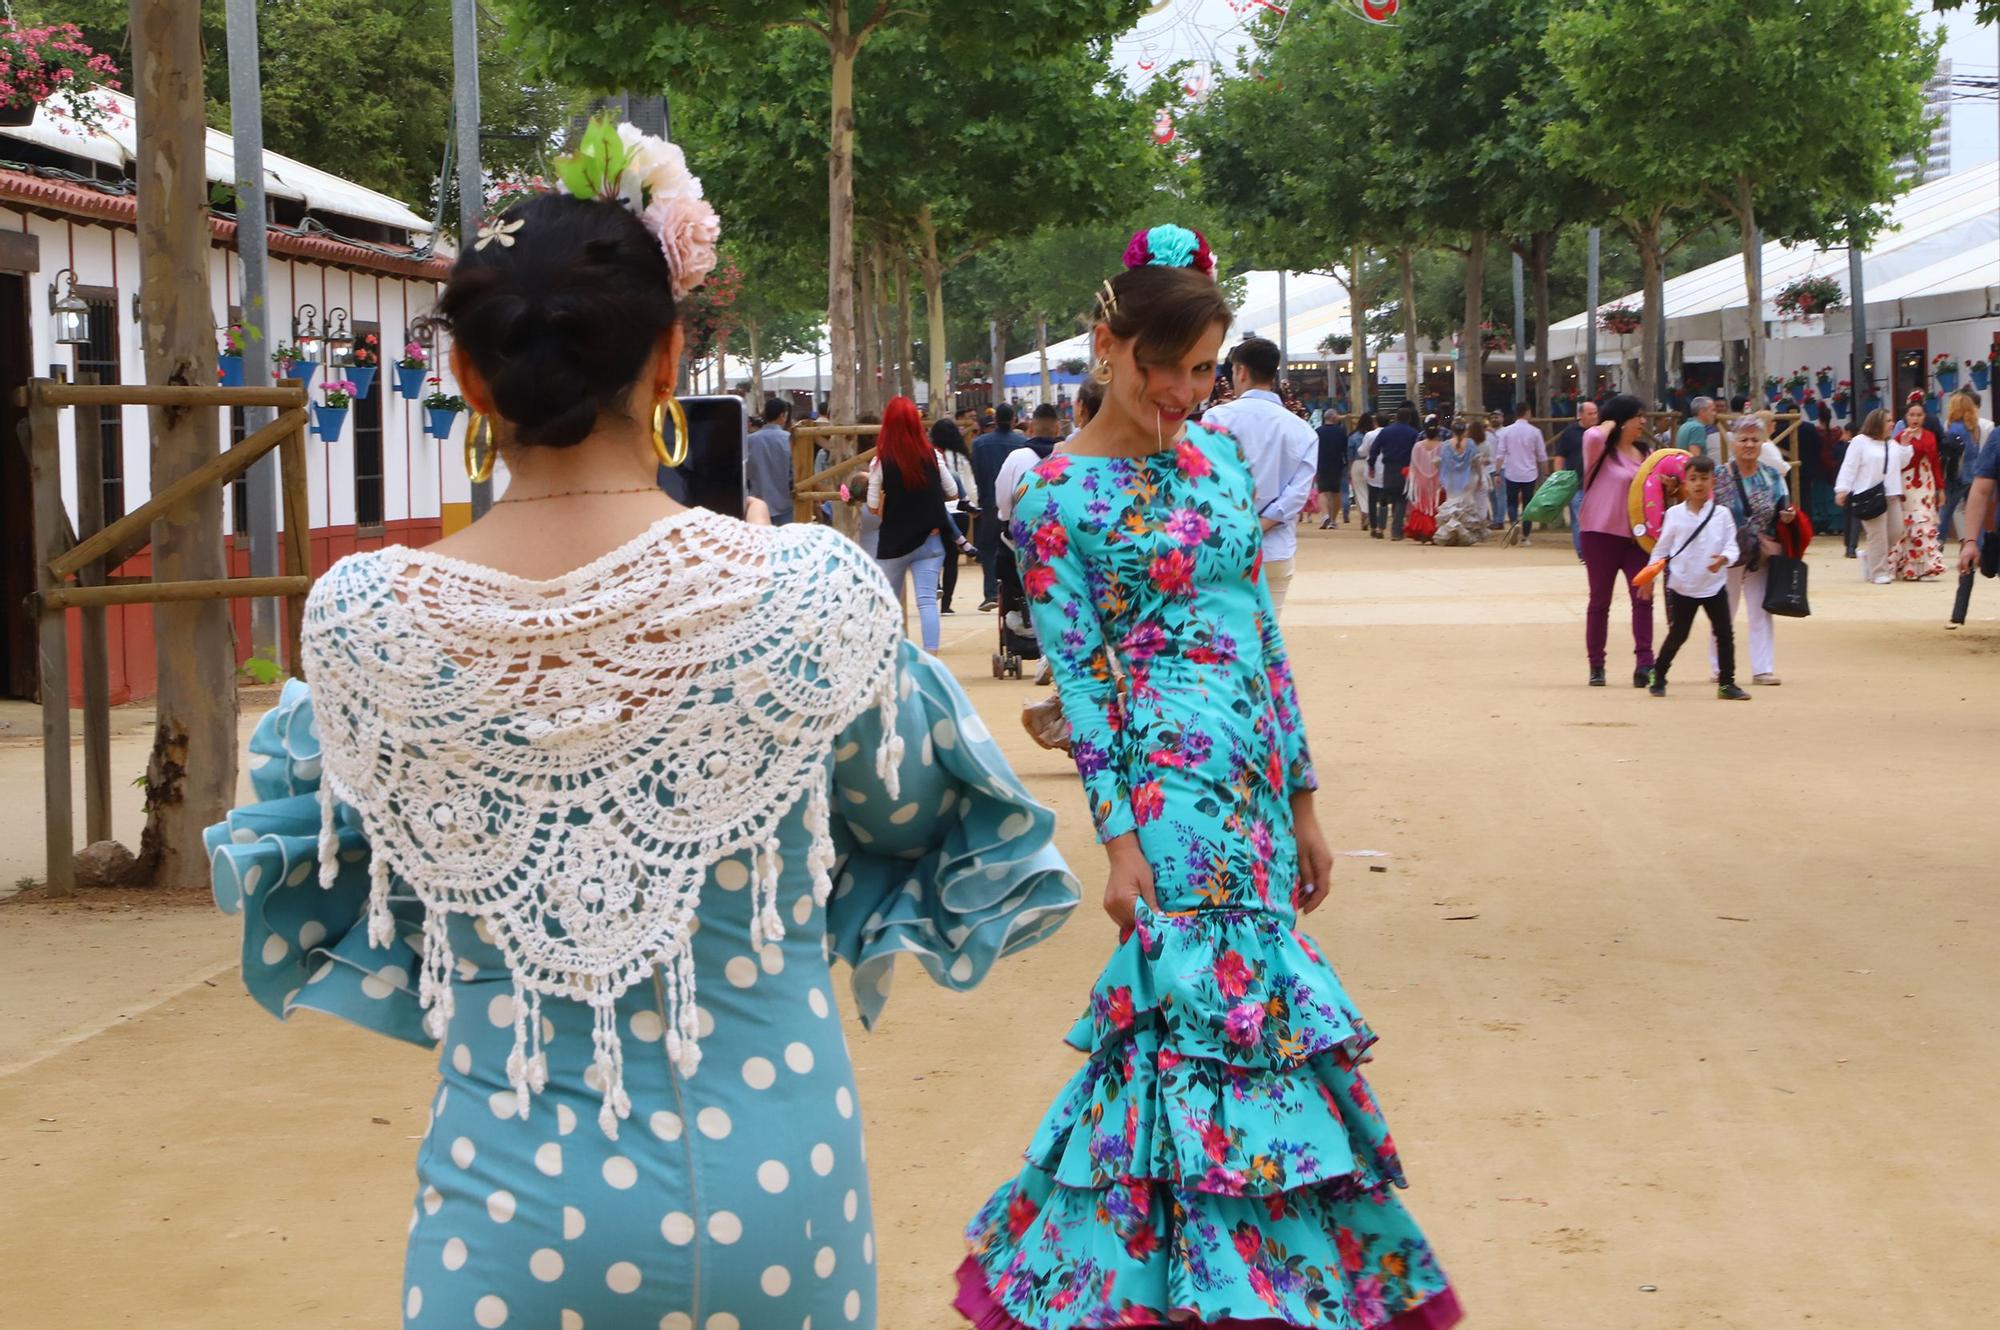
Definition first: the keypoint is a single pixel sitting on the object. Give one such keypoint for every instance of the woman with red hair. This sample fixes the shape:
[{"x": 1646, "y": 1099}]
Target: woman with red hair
[{"x": 908, "y": 488}]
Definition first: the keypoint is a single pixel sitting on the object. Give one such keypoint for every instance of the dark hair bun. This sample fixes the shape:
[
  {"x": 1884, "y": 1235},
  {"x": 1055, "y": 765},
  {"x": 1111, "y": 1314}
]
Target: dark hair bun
[{"x": 560, "y": 322}]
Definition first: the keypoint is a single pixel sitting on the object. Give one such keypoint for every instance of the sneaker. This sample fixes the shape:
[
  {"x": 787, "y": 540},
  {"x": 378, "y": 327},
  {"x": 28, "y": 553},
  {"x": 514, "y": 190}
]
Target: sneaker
[
  {"x": 988, "y": 606},
  {"x": 1883, "y": 579},
  {"x": 1658, "y": 688},
  {"x": 1767, "y": 681},
  {"x": 1597, "y": 677},
  {"x": 1526, "y": 541},
  {"x": 1729, "y": 692},
  {"x": 1640, "y": 678},
  {"x": 946, "y": 609}
]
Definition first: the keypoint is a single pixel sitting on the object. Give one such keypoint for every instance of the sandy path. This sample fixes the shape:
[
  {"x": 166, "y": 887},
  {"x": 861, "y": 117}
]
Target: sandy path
[{"x": 1781, "y": 1118}]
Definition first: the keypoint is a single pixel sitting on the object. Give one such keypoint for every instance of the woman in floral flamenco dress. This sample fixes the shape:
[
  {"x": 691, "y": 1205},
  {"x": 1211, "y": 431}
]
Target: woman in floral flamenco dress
[{"x": 1218, "y": 1160}]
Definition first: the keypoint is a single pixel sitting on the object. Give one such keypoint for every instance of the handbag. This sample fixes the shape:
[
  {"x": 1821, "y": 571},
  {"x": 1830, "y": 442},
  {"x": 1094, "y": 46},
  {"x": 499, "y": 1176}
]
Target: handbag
[
  {"x": 1872, "y": 502},
  {"x": 1785, "y": 588}
]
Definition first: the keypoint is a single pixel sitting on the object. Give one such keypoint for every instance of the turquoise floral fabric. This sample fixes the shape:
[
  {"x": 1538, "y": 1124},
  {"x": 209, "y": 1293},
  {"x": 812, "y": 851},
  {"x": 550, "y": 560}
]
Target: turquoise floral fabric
[
  {"x": 1218, "y": 1157},
  {"x": 736, "y": 1197}
]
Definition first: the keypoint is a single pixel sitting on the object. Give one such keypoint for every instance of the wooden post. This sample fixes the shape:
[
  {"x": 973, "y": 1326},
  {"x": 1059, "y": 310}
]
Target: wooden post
[
  {"x": 51, "y": 526},
  {"x": 191, "y": 776},
  {"x": 96, "y": 652},
  {"x": 298, "y": 538}
]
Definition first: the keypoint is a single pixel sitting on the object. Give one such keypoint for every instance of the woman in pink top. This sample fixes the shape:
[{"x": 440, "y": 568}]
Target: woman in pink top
[{"x": 1612, "y": 454}]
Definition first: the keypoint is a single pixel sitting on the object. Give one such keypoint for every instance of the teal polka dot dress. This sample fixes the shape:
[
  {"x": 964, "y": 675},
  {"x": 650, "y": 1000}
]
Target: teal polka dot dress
[{"x": 735, "y": 1197}]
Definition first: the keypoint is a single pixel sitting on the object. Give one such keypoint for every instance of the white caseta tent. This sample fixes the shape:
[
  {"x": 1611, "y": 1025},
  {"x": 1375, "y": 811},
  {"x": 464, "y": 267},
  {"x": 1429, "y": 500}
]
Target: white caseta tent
[{"x": 1938, "y": 261}]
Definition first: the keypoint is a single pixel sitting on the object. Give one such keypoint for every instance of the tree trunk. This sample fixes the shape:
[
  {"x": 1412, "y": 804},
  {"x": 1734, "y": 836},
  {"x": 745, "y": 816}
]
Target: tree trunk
[
  {"x": 756, "y": 369},
  {"x": 943, "y": 396},
  {"x": 191, "y": 775},
  {"x": 1042, "y": 355},
  {"x": 1744, "y": 206},
  {"x": 997, "y": 374},
  {"x": 1357, "y": 310},
  {"x": 1539, "y": 248},
  {"x": 906, "y": 351},
  {"x": 1472, "y": 341},
  {"x": 840, "y": 212},
  {"x": 1413, "y": 376},
  {"x": 885, "y": 320},
  {"x": 1652, "y": 265},
  {"x": 870, "y": 399}
]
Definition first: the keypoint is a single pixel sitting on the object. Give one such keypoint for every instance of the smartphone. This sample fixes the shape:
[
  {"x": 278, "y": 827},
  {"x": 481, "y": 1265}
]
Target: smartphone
[{"x": 713, "y": 476}]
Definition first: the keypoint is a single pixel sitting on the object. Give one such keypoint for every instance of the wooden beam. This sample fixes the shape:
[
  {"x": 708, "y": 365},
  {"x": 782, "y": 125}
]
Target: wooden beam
[
  {"x": 161, "y": 593},
  {"x": 130, "y": 533},
  {"x": 298, "y": 541},
  {"x": 817, "y": 431},
  {"x": 839, "y": 470},
  {"x": 155, "y": 394},
  {"x": 44, "y": 442}
]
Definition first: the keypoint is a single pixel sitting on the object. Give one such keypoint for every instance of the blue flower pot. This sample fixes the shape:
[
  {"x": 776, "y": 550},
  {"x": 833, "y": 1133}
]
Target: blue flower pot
[
  {"x": 1771, "y": 396},
  {"x": 1825, "y": 386},
  {"x": 1932, "y": 405},
  {"x": 232, "y": 371},
  {"x": 410, "y": 382},
  {"x": 328, "y": 420},
  {"x": 1947, "y": 380},
  {"x": 440, "y": 423},
  {"x": 1981, "y": 377},
  {"x": 362, "y": 377},
  {"x": 302, "y": 370}
]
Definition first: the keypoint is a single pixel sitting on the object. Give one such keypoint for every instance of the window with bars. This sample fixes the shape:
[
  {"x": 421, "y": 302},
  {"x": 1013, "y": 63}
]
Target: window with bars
[
  {"x": 97, "y": 362},
  {"x": 368, "y": 502}
]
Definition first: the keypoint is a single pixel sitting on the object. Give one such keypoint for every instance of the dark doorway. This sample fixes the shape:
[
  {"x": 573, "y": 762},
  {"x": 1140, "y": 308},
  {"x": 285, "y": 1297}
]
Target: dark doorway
[
  {"x": 1911, "y": 372},
  {"x": 17, "y": 550}
]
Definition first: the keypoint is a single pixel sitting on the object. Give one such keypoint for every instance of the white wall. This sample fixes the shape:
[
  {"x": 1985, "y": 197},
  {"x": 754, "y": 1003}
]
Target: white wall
[{"x": 416, "y": 477}]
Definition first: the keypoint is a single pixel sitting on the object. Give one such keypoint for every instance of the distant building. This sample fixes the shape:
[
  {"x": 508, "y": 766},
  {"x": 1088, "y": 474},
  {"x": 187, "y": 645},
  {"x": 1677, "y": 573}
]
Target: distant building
[{"x": 1935, "y": 161}]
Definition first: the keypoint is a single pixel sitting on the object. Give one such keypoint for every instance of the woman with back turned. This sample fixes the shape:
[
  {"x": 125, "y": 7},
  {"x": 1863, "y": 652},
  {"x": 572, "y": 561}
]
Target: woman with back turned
[{"x": 567, "y": 801}]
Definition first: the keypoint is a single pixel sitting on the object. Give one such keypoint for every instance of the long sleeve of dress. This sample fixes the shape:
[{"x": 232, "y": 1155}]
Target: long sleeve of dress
[
  {"x": 1064, "y": 611},
  {"x": 956, "y": 869},
  {"x": 306, "y": 946},
  {"x": 1285, "y": 713}
]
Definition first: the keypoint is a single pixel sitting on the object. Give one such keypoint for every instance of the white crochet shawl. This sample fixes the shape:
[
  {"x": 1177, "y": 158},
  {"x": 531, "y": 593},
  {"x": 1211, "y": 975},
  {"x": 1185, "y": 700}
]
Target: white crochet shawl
[{"x": 568, "y": 760}]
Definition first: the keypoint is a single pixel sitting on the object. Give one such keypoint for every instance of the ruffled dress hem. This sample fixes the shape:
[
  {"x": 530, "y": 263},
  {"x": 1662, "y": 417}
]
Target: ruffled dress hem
[{"x": 975, "y": 1302}]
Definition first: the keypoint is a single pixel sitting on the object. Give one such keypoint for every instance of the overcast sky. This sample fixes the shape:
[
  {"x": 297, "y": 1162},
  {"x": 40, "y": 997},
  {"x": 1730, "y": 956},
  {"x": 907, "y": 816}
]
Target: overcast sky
[{"x": 1203, "y": 29}]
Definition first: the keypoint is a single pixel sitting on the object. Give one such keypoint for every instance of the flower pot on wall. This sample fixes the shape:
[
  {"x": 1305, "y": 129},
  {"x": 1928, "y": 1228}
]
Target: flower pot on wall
[
  {"x": 328, "y": 421},
  {"x": 1982, "y": 377},
  {"x": 363, "y": 379},
  {"x": 302, "y": 370},
  {"x": 18, "y": 113},
  {"x": 1825, "y": 386},
  {"x": 440, "y": 422},
  {"x": 410, "y": 382},
  {"x": 1947, "y": 379},
  {"x": 232, "y": 371}
]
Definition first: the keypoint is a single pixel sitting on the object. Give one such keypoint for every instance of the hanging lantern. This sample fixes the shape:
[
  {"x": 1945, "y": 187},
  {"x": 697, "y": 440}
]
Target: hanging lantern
[
  {"x": 305, "y": 333},
  {"x": 1378, "y": 11},
  {"x": 71, "y": 313},
  {"x": 1163, "y": 127},
  {"x": 339, "y": 341}
]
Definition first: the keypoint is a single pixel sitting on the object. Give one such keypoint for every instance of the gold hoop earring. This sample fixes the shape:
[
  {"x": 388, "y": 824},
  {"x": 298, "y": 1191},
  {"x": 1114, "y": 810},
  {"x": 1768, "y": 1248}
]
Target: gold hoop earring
[
  {"x": 1101, "y": 371},
  {"x": 479, "y": 461},
  {"x": 670, "y": 407}
]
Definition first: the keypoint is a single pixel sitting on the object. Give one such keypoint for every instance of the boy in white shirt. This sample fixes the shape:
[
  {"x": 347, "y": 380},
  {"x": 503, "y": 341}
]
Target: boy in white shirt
[{"x": 1698, "y": 544}]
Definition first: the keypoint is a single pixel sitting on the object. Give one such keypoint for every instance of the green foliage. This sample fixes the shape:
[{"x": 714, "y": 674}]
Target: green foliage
[
  {"x": 361, "y": 88},
  {"x": 261, "y": 669},
  {"x": 1988, "y": 11},
  {"x": 593, "y": 168}
]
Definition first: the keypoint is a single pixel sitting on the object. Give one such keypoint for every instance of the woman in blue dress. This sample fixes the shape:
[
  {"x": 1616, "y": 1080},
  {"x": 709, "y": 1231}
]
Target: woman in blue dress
[
  {"x": 1218, "y": 1159},
  {"x": 586, "y": 797}
]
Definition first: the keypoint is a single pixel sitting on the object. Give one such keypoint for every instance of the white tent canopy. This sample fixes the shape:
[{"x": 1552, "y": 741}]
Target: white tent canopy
[
  {"x": 117, "y": 145},
  {"x": 1941, "y": 247}
]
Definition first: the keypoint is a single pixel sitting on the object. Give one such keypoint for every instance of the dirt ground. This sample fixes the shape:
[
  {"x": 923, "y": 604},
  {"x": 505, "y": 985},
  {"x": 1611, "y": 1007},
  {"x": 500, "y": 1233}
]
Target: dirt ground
[{"x": 1686, "y": 1007}]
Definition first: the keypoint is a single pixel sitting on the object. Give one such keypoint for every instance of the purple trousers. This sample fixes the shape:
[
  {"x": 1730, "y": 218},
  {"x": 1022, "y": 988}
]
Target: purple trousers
[{"x": 1604, "y": 557}]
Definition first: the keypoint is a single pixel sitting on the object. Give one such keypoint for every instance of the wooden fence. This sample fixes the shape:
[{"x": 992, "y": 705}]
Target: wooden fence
[{"x": 72, "y": 571}]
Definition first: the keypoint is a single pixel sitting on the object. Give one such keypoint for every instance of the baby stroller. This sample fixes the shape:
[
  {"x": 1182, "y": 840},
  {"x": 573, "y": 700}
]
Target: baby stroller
[{"x": 1017, "y": 632}]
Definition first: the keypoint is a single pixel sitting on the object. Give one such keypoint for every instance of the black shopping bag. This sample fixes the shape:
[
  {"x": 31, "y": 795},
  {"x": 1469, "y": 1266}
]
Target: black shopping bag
[{"x": 1785, "y": 588}]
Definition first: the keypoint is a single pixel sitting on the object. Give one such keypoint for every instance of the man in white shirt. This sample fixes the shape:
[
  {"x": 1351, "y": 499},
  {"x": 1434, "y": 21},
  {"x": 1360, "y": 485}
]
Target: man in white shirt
[
  {"x": 1521, "y": 456},
  {"x": 1283, "y": 452},
  {"x": 1698, "y": 543}
]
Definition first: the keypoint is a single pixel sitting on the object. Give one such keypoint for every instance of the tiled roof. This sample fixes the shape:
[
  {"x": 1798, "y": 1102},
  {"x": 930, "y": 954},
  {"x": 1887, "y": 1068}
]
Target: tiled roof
[{"x": 65, "y": 198}]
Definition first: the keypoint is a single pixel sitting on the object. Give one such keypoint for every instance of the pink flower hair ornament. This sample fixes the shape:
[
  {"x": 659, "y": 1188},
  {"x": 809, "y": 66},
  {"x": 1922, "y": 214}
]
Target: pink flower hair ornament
[
  {"x": 617, "y": 163},
  {"x": 1170, "y": 247}
]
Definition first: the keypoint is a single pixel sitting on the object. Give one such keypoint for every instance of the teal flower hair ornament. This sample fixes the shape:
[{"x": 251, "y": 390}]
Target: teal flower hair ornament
[{"x": 1170, "y": 247}]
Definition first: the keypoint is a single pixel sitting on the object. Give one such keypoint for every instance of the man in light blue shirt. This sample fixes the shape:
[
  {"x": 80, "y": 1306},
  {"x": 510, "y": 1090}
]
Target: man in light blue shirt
[
  {"x": 1283, "y": 452},
  {"x": 767, "y": 462}
]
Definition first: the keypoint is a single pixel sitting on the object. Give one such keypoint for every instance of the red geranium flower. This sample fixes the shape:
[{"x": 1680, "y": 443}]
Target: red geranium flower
[{"x": 1037, "y": 582}]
